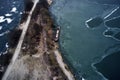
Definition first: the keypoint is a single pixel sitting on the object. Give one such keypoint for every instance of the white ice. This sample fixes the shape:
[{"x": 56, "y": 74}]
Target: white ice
[
  {"x": 2, "y": 19},
  {"x": 14, "y": 9},
  {"x": 7, "y": 15}
]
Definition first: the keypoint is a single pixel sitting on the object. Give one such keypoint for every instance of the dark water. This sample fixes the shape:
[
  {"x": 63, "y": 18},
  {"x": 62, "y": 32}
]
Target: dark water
[
  {"x": 110, "y": 66},
  {"x": 10, "y": 12},
  {"x": 86, "y": 39}
]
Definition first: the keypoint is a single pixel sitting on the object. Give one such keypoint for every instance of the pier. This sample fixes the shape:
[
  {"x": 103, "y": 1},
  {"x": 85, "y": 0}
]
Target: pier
[{"x": 36, "y": 56}]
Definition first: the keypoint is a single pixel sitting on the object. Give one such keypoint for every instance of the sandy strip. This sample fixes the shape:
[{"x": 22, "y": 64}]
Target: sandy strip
[{"x": 62, "y": 65}]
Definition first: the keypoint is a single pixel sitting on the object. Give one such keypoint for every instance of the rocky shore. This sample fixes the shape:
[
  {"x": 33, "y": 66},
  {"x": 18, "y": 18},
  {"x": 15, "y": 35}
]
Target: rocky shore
[{"x": 35, "y": 55}]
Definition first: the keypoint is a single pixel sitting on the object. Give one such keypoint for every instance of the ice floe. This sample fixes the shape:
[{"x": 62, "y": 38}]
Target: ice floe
[
  {"x": 3, "y": 19},
  {"x": 14, "y": 9},
  {"x": 8, "y": 15}
]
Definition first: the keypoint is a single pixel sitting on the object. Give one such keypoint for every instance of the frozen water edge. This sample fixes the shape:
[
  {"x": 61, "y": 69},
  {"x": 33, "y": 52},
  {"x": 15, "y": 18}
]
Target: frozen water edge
[
  {"x": 112, "y": 28},
  {"x": 110, "y": 35},
  {"x": 94, "y": 22},
  {"x": 95, "y": 69},
  {"x": 104, "y": 17},
  {"x": 111, "y": 13},
  {"x": 87, "y": 22},
  {"x": 111, "y": 19},
  {"x": 108, "y": 52}
]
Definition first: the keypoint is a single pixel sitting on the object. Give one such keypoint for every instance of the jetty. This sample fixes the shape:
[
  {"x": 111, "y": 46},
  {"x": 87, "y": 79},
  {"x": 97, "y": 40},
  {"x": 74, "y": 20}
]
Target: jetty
[{"x": 35, "y": 50}]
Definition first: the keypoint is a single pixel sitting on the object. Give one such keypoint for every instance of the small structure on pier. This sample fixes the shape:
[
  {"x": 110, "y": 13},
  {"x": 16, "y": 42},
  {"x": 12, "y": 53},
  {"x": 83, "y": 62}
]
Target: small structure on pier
[{"x": 57, "y": 34}]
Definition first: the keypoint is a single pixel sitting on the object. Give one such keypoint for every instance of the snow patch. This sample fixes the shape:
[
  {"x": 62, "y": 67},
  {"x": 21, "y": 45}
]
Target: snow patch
[
  {"x": 8, "y": 15},
  {"x": 14, "y": 9}
]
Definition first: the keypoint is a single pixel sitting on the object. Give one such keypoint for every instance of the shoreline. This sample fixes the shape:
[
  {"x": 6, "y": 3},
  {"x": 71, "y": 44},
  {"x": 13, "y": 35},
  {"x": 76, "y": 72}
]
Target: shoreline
[
  {"x": 63, "y": 66},
  {"x": 44, "y": 47}
]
